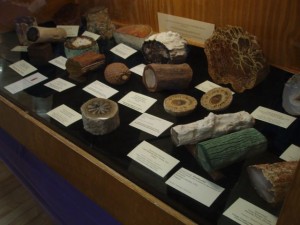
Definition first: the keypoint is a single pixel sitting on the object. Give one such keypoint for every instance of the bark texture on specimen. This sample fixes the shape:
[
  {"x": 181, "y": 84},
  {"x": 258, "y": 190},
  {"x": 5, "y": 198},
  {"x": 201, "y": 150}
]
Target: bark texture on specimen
[
  {"x": 235, "y": 57},
  {"x": 272, "y": 181},
  {"x": 158, "y": 77},
  {"x": 211, "y": 126},
  {"x": 217, "y": 153}
]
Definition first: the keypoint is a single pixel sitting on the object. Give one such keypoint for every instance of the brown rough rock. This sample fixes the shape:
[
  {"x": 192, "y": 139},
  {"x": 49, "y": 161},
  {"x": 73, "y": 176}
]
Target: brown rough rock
[{"x": 235, "y": 57}]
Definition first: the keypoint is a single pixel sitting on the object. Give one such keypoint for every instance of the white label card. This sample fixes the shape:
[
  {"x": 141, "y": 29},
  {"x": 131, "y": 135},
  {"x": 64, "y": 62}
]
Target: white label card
[
  {"x": 151, "y": 124},
  {"x": 195, "y": 186},
  {"x": 59, "y": 61},
  {"x": 123, "y": 51},
  {"x": 100, "y": 90},
  {"x": 22, "y": 67},
  {"x": 273, "y": 117},
  {"x": 153, "y": 158},
  {"x": 138, "y": 102},
  {"x": 292, "y": 153},
  {"x": 25, "y": 83},
  {"x": 71, "y": 30},
  {"x": 188, "y": 28},
  {"x": 65, "y": 115},
  {"x": 139, "y": 69},
  {"x": 20, "y": 48},
  {"x": 59, "y": 84},
  {"x": 245, "y": 213},
  {"x": 206, "y": 86},
  {"x": 91, "y": 34}
]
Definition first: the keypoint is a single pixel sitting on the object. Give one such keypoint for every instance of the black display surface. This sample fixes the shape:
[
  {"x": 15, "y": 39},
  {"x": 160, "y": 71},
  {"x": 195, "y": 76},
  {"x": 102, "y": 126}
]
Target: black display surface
[{"x": 112, "y": 149}]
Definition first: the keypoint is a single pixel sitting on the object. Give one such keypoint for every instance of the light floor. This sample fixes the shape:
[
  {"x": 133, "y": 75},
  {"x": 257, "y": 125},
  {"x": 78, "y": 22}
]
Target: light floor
[{"x": 17, "y": 205}]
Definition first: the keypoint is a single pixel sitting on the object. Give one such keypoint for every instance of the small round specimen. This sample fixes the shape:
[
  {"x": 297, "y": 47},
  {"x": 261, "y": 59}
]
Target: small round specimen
[
  {"x": 117, "y": 73},
  {"x": 180, "y": 104},
  {"x": 216, "y": 99},
  {"x": 235, "y": 57},
  {"x": 100, "y": 116}
]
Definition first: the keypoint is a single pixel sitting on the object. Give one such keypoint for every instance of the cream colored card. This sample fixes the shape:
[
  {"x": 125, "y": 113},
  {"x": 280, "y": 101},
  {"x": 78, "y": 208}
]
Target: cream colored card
[
  {"x": 245, "y": 213},
  {"x": 71, "y": 30},
  {"x": 91, "y": 35},
  {"x": 195, "y": 186},
  {"x": 189, "y": 29},
  {"x": 139, "y": 69},
  {"x": 20, "y": 48},
  {"x": 59, "y": 61},
  {"x": 59, "y": 84},
  {"x": 206, "y": 86},
  {"x": 151, "y": 124},
  {"x": 153, "y": 158},
  {"x": 137, "y": 101},
  {"x": 100, "y": 90},
  {"x": 123, "y": 51},
  {"x": 25, "y": 83},
  {"x": 273, "y": 117},
  {"x": 292, "y": 153},
  {"x": 65, "y": 115},
  {"x": 22, "y": 67}
]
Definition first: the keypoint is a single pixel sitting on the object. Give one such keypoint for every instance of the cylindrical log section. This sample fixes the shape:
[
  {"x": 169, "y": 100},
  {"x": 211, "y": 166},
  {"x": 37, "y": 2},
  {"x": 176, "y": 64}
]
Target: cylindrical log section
[
  {"x": 46, "y": 34},
  {"x": 272, "y": 181},
  {"x": 158, "y": 77},
  {"x": 222, "y": 151}
]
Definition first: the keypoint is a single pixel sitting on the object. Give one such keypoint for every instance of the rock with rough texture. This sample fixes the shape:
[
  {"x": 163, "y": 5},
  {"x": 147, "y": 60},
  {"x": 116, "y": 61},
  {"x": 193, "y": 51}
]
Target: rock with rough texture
[
  {"x": 211, "y": 126},
  {"x": 117, "y": 73},
  {"x": 165, "y": 47},
  {"x": 235, "y": 57},
  {"x": 180, "y": 104},
  {"x": 272, "y": 181},
  {"x": 79, "y": 45},
  {"x": 291, "y": 95}
]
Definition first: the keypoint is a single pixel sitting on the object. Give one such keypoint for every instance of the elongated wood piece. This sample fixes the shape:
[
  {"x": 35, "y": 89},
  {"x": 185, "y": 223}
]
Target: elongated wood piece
[
  {"x": 37, "y": 34},
  {"x": 158, "y": 77},
  {"x": 272, "y": 181},
  {"x": 211, "y": 126},
  {"x": 225, "y": 150}
]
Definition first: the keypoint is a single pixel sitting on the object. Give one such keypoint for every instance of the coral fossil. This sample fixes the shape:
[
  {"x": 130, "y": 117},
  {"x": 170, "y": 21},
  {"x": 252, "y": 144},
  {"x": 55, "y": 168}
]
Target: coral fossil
[{"x": 235, "y": 57}]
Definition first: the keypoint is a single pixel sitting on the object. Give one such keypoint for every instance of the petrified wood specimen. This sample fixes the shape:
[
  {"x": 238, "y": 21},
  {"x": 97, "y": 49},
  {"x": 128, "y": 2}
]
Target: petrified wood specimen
[
  {"x": 165, "y": 47},
  {"x": 216, "y": 99},
  {"x": 217, "y": 153},
  {"x": 211, "y": 126},
  {"x": 117, "y": 73},
  {"x": 291, "y": 95},
  {"x": 180, "y": 104},
  {"x": 78, "y": 45},
  {"x": 235, "y": 57},
  {"x": 133, "y": 35},
  {"x": 40, "y": 53},
  {"x": 81, "y": 64},
  {"x": 271, "y": 181},
  {"x": 37, "y": 34},
  {"x": 100, "y": 116},
  {"x": 157, "y": 77}
]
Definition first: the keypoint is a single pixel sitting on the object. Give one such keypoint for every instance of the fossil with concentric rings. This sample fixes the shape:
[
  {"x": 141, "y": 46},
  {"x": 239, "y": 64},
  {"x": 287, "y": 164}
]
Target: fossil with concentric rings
[
  {"x": 100, "y": 116},
  {"x": 180, "y": 104}
]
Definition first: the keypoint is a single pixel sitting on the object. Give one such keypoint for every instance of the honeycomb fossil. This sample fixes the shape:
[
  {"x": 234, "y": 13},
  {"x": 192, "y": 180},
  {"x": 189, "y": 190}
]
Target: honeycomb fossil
[{"x": 235, "y": 57}]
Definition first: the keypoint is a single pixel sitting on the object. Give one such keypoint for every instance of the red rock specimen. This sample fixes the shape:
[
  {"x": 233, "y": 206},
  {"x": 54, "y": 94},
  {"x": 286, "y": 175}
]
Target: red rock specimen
[
  {"x": 272, "y": 181},
  {"x": 235, "y": 57}
]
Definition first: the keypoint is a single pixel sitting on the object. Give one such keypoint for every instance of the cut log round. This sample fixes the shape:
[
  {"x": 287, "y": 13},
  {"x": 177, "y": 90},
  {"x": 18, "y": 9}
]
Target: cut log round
[
  {"x": 180, "y": 104},
  {"x": 216, "y": 99},
  {"x": 271, "y": 181},
  {"x": 158, "y": 77},
  {"x": 100, "y": 116}
]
